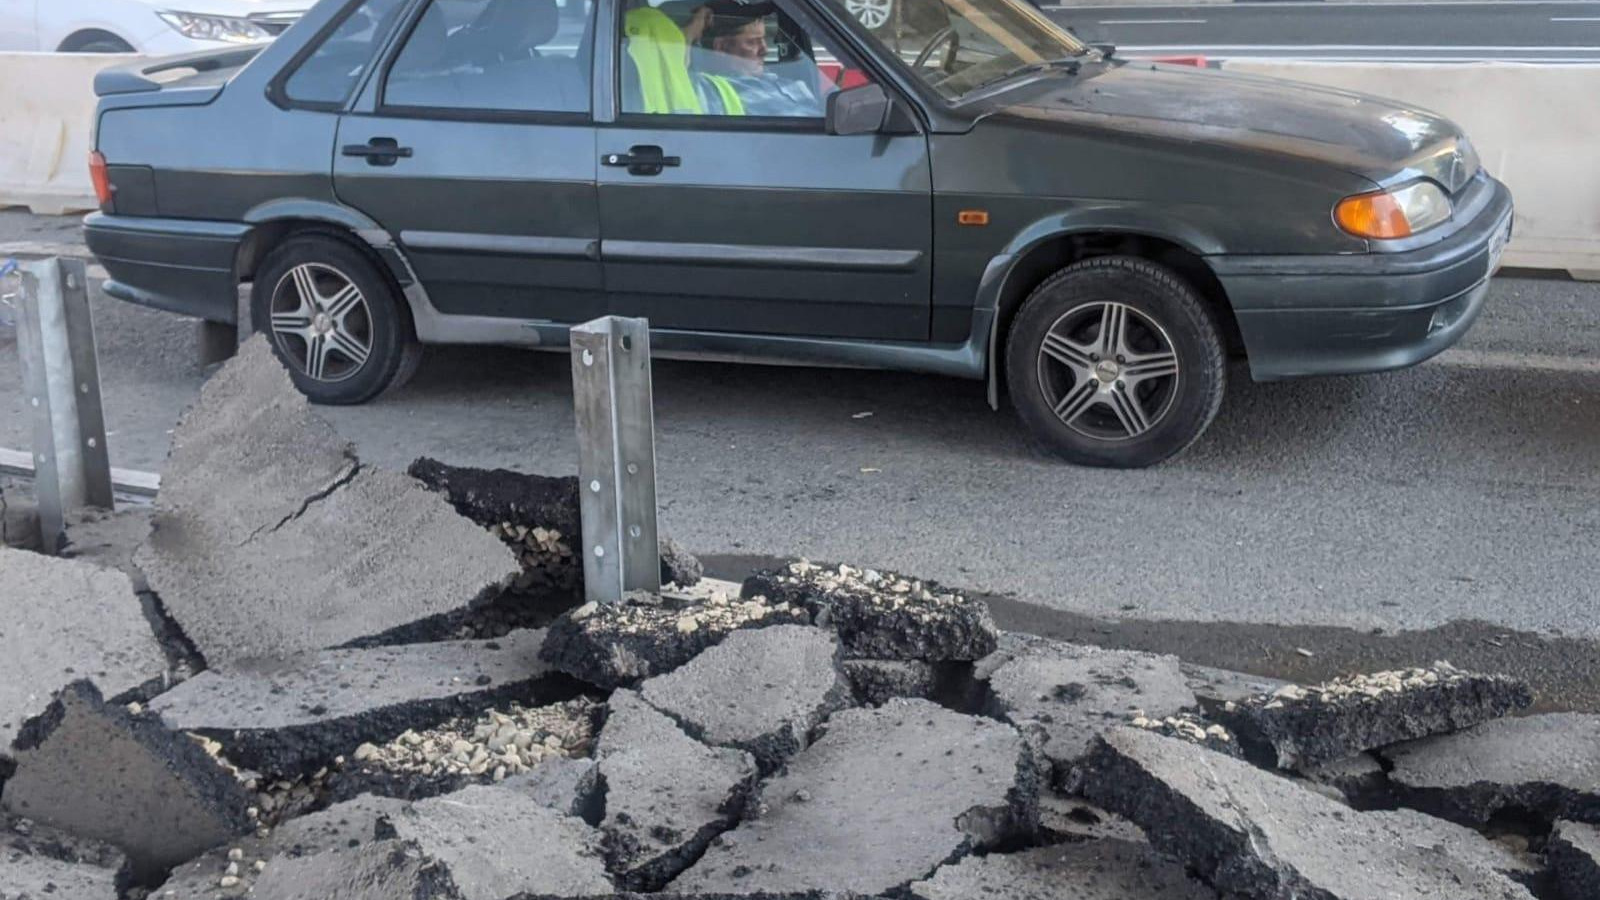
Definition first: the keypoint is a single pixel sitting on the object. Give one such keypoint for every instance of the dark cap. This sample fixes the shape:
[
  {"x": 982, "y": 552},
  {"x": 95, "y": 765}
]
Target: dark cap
[{"x": 729, "y": 16}]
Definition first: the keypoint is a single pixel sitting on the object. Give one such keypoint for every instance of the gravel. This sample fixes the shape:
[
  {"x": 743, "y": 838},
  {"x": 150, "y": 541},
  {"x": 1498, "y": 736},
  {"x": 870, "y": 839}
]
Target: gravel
[
  {"x": 617, "y": 645},
  {"x": 290, "y": 715}
]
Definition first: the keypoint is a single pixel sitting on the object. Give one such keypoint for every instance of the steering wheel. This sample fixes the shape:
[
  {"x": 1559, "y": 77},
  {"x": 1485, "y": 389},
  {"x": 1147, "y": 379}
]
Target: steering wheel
[{"x": 945, "y": 35}]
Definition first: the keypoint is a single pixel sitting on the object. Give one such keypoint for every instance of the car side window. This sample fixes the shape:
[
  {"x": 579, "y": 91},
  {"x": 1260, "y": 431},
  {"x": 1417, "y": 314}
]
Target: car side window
[
  {"x": 329, "y": 74},
  {"x": 519, "y": 56},
  {"x": 727, "y": 58}
]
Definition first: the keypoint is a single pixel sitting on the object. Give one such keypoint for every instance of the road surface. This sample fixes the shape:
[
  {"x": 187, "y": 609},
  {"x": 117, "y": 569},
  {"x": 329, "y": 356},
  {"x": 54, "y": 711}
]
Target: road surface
[
  {"x": 1437, "y": 32},
  {"x": 1448, "y": 511}
]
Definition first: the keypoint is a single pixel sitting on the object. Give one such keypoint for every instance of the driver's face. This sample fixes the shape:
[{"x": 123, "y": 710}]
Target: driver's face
[{"x": 745, "y": 49}]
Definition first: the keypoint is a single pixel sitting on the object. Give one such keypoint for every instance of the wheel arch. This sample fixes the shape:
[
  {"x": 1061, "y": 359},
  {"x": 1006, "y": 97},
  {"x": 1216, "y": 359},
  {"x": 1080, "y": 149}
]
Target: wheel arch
[
  {"x": 1034, "y": 258},
  {"x": 280, "y": 221},
  {"x": 81, "y": 38}
]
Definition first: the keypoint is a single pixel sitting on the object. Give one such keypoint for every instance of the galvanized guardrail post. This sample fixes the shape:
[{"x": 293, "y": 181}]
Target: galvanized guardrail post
[
  {"x": 616, "y": 457},
  {"x": 61, "y": 381}
]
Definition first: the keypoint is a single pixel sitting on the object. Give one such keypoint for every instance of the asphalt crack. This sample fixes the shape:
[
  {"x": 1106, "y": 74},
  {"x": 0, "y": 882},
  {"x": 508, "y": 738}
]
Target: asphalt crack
[{"x": 349, "y": 474}]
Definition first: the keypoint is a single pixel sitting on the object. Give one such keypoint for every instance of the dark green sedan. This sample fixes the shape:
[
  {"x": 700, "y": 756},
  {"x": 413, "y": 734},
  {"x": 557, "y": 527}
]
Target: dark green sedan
[{"x": 965, "y": 190}]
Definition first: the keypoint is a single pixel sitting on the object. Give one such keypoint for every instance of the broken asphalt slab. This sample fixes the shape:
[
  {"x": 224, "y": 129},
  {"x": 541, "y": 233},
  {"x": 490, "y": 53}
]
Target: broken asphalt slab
[
  {"x": 882, "y": 799},
  {"x": 1090, "y": 870},
  {"x": 291, "y": 715},
  {"x": 761, "y": 690},
  {"x": 270, "y": 537},
  {"x": 1574, "y": 853},
  {"x": 493, "y": 843},
  {"x": 384, "y": 870},
  {"x": 233, "y": 869},
  {"x": 1306, "y": 727},
  {"x": 60, "y": 621},
  {"x": 1256, "y": 835},
  {"x": 38, "y": 863},
  {"x": 666, "y": 794},
  {"x": 618, "y": 645},
  {"x": 1540, "y": 767},
  {"x": 1075, "y": 692},
  {"x": 884, "y": 615},
  {"x": 102, "y": 772}
]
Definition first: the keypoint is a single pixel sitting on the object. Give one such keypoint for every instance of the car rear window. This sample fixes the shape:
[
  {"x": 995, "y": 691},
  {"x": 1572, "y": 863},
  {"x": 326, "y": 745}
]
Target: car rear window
[{"x": 330, "y": 73}]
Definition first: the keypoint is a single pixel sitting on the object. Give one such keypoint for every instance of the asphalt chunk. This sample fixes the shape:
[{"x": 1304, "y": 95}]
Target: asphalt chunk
[
  {"x": 1074, "y": 693},
  {"x": 1543, "y": 767},
  {"x": 271, "y": 538},
  {"x": 882, "y": 799},
  {"x": 1254, "y": 834},
  {"x": 60, "y": 621},
  {"x": 884, "y": 615},
  {"x": 618, "y": 645},
  {"x": 1574, "y": 852},
  {"x": 666, "y": 794},
  {"x": 1092, "y": 870},
  {"x": 291, "y": 715},
  {"x": 1306, "y": 727},
  {"x": 761, "y": 690},
  {"x": 160, "y": 797}
]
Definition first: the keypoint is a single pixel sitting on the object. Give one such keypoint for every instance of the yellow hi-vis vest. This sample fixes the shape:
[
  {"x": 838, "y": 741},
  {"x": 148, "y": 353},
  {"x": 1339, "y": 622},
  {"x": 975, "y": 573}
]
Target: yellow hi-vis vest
[{"x": 658, "y": 49}]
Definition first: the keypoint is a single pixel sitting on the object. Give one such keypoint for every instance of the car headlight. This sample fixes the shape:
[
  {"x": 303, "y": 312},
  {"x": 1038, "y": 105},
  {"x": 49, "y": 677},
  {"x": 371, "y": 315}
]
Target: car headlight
[
  {"x": 1398, "y": 213},
  {"x": 203, "y": 27}
]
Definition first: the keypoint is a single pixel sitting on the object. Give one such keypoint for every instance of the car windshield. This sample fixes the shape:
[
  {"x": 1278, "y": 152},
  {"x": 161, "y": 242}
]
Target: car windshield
[{"x": 961, "y": 46}]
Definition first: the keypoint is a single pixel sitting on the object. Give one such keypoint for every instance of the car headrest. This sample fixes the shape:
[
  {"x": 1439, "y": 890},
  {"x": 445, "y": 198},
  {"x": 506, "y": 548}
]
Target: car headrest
[{"x": 515, "y": 25}]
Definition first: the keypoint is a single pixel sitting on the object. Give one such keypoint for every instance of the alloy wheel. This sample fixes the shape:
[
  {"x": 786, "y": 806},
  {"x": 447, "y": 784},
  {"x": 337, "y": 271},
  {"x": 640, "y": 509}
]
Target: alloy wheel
[
  {"x": 1108, "y": 371},
  {"x": 872, "y": 13},
  {"x": 321, "y": 322}
]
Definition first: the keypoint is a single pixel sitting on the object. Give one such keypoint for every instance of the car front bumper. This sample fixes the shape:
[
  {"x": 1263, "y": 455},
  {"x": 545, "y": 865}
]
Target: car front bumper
[
  {"x": 1342, "y": 315},
  {"x": 177, "y": 265}
]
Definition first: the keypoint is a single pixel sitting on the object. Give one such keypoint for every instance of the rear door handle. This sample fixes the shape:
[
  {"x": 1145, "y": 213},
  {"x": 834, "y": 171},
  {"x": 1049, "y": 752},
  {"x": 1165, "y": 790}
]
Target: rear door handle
[
  {"x": 642, "y": 159},
  {"x": 380, "y": 151}
]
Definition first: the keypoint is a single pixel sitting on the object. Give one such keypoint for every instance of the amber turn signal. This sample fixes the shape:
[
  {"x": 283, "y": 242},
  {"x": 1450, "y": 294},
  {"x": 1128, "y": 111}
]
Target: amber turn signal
[
  {"x": 1377, "y": 215},
  {"x": 972, "y": 217},
  {"x": 101, "y": 179}
]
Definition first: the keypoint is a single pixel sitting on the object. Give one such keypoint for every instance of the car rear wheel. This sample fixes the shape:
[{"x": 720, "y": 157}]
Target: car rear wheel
[
  {"x": 334, "y": 320},
  {"x": 1115, "y": 361}
]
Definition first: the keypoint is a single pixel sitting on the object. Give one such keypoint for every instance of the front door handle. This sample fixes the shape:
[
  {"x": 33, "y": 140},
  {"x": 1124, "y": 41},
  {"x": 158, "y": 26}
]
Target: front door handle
[
  {"x": 380, "y": 151},
  {"x": 641, "y": 159}
]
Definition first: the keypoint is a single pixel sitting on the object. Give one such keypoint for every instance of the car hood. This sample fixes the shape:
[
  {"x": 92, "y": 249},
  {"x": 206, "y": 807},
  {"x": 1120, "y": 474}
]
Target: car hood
[
  {"x": 1377, "y": 139},
  {"x": 231, "y": 7}
]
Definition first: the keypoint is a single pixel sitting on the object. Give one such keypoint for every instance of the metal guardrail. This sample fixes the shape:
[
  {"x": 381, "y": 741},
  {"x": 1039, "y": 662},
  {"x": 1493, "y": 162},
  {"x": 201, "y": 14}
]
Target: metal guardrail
[
  {"x": 613, "y": 402},
  {"x": 61, "y": 389}
]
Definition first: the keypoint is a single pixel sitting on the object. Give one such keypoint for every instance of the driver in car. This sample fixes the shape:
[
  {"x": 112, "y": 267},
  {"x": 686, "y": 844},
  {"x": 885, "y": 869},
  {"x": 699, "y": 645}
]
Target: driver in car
[{"x": 732, "y": 47}]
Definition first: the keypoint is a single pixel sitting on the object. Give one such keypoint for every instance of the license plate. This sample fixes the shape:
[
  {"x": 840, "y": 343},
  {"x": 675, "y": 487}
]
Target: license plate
[{"x": 1497, "y": 247}]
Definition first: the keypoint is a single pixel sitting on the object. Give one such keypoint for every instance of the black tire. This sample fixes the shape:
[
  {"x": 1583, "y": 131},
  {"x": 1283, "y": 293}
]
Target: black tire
[
  {"x": 379, "y": 323},
  {"x": 1108, "y": 398}
]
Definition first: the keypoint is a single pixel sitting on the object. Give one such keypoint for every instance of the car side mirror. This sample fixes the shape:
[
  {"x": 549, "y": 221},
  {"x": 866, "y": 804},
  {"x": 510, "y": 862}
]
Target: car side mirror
[{"x": 863, "y": 109}]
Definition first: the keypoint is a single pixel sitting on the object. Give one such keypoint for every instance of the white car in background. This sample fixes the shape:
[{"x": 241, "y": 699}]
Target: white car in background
[{"x": 150, "y": 27}]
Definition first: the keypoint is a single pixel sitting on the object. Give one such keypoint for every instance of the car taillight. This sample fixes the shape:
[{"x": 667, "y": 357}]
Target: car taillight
[{"x": 101, "y": 178}]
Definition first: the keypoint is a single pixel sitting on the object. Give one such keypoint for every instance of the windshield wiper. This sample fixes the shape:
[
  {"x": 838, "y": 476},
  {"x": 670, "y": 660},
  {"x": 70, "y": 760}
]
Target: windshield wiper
[{"x": 1067, "y": 64}]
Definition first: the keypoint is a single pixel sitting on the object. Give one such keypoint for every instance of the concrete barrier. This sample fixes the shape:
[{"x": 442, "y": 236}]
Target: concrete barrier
[
  {"x": 1534, "y": 126},
  {"x": 46, "y": 125}
]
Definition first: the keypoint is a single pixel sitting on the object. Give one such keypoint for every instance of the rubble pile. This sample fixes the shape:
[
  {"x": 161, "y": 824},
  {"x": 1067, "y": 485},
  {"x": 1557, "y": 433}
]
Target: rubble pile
[{"x": 817, "y": 733}]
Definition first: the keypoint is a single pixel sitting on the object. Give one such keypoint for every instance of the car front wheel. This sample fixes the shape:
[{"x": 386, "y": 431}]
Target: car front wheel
[
  {"x": 1115, "y": 361},
  {"x": 334, "y": 320}
]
